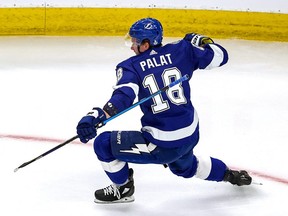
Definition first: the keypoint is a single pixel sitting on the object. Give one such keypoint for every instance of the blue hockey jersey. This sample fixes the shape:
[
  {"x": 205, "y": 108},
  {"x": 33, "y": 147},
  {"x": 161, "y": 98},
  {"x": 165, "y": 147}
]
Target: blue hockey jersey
[{"x": 169, "y": 119}]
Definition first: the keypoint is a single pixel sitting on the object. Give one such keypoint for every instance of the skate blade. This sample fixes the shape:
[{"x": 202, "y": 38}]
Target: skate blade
[{"x": 123, "y": 200}]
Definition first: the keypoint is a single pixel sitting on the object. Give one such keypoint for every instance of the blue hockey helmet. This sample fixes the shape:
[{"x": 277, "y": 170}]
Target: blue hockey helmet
[{"x": 147, "y": 28}]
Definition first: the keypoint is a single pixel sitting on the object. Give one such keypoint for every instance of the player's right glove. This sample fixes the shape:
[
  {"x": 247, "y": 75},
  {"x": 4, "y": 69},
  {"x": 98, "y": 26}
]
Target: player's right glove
[
  {"x": 197, "y": 39},
  {"x": 86, "y": 128}
]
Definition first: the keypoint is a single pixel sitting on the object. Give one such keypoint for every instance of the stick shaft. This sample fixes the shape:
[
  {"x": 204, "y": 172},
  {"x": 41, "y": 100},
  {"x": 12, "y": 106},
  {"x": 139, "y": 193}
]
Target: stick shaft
[
  {"x": 46, "y": 153},
  {"x": 185, "y": 77}
]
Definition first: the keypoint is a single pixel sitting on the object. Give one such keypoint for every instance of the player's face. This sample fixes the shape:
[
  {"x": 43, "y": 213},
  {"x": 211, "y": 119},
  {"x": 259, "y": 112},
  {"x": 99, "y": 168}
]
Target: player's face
[
  {"x": 138, "y": 48},
  {"x": 134, "y": 46}
]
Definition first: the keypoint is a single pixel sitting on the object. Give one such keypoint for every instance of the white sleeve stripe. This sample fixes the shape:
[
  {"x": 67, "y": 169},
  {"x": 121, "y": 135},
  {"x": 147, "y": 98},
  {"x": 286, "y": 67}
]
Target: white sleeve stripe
[
  {"x": 204, "y": 167},
  {"x": 113, "y": 166},
  {"x": 217, "y": 58},
  {"x": 173, "y": 135},
  {"x": 133, "y": 86}
]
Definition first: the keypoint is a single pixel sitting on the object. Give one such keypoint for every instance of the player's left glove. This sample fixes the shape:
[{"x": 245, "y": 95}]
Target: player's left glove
[
  {"x": 198, "y": 40},
  {"x": 86, "y": 128}
]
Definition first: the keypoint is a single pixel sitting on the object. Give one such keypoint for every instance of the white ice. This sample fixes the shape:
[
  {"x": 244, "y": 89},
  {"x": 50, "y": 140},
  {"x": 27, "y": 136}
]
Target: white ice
[{"x": 48, "y": 83}]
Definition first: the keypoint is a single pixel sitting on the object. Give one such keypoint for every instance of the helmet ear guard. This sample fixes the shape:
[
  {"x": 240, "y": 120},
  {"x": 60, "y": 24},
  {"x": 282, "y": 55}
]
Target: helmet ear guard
[{"x": 148, "y": 29}]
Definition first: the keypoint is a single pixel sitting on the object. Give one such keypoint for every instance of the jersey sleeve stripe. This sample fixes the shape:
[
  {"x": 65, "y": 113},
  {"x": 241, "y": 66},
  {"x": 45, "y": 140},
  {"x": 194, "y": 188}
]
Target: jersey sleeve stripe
[
  {"x": 218, "y": 57},
  {"x": 133, "y": 86}
]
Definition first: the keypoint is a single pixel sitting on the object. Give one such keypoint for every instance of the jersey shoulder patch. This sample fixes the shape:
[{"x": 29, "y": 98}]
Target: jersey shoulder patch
[{"x": 119, "y": 73}]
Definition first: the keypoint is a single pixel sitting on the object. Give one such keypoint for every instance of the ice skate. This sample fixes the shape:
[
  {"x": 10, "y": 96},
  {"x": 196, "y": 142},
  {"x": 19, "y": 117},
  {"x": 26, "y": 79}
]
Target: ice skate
[
  {"x": 237, "y": 177},
  {"x": 116, "y": 194}
]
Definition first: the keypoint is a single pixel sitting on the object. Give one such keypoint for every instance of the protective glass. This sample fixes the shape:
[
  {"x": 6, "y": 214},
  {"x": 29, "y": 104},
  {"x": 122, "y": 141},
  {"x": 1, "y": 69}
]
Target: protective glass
[{"x": 130, "y": 41}]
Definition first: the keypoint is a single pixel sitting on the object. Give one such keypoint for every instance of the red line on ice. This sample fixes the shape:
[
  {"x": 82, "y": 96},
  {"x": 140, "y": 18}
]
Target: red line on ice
[
  {"x": 35, "y": 138},
  {"x": 52, "y": 140}
]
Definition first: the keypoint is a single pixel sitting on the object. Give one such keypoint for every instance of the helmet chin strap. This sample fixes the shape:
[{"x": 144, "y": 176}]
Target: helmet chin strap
[{"x": 138, "y": 48}]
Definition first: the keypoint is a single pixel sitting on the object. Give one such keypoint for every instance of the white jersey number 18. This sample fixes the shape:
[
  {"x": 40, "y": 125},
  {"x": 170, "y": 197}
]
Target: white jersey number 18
[{"x": 175, "y": 93}]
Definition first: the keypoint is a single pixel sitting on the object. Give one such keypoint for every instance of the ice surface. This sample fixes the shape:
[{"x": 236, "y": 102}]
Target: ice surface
[{"x": 48, "y": 83}]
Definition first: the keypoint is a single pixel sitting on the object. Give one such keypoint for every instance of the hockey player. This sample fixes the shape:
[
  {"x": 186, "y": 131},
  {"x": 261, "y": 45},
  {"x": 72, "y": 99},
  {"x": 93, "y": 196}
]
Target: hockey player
[{"x": 170, "y": 125}]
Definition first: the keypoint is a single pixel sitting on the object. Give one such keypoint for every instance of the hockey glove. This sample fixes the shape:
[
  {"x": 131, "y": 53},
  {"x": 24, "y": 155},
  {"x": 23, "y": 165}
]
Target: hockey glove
[
  {"x": 198, "y": 40},
  {"x": 86, "y": 128}
]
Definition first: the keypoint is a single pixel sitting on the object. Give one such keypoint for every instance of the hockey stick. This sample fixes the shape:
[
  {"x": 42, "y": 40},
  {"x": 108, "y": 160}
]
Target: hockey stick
[{"x": 183, "y": 78}]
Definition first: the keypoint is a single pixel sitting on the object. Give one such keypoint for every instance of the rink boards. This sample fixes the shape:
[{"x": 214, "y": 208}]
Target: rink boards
[{"x": 116, "y": 22}]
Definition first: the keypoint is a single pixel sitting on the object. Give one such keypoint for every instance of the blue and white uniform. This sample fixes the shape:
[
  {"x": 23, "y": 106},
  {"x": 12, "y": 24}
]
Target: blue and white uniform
[{"x": 169, "y": 120}]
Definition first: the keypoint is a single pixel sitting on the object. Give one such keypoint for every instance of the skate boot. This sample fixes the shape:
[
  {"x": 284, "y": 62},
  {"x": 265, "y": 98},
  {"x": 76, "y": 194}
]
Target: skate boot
[
  {"x": 116, "y": 194},
  {"x": 237, "y": 177}
]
